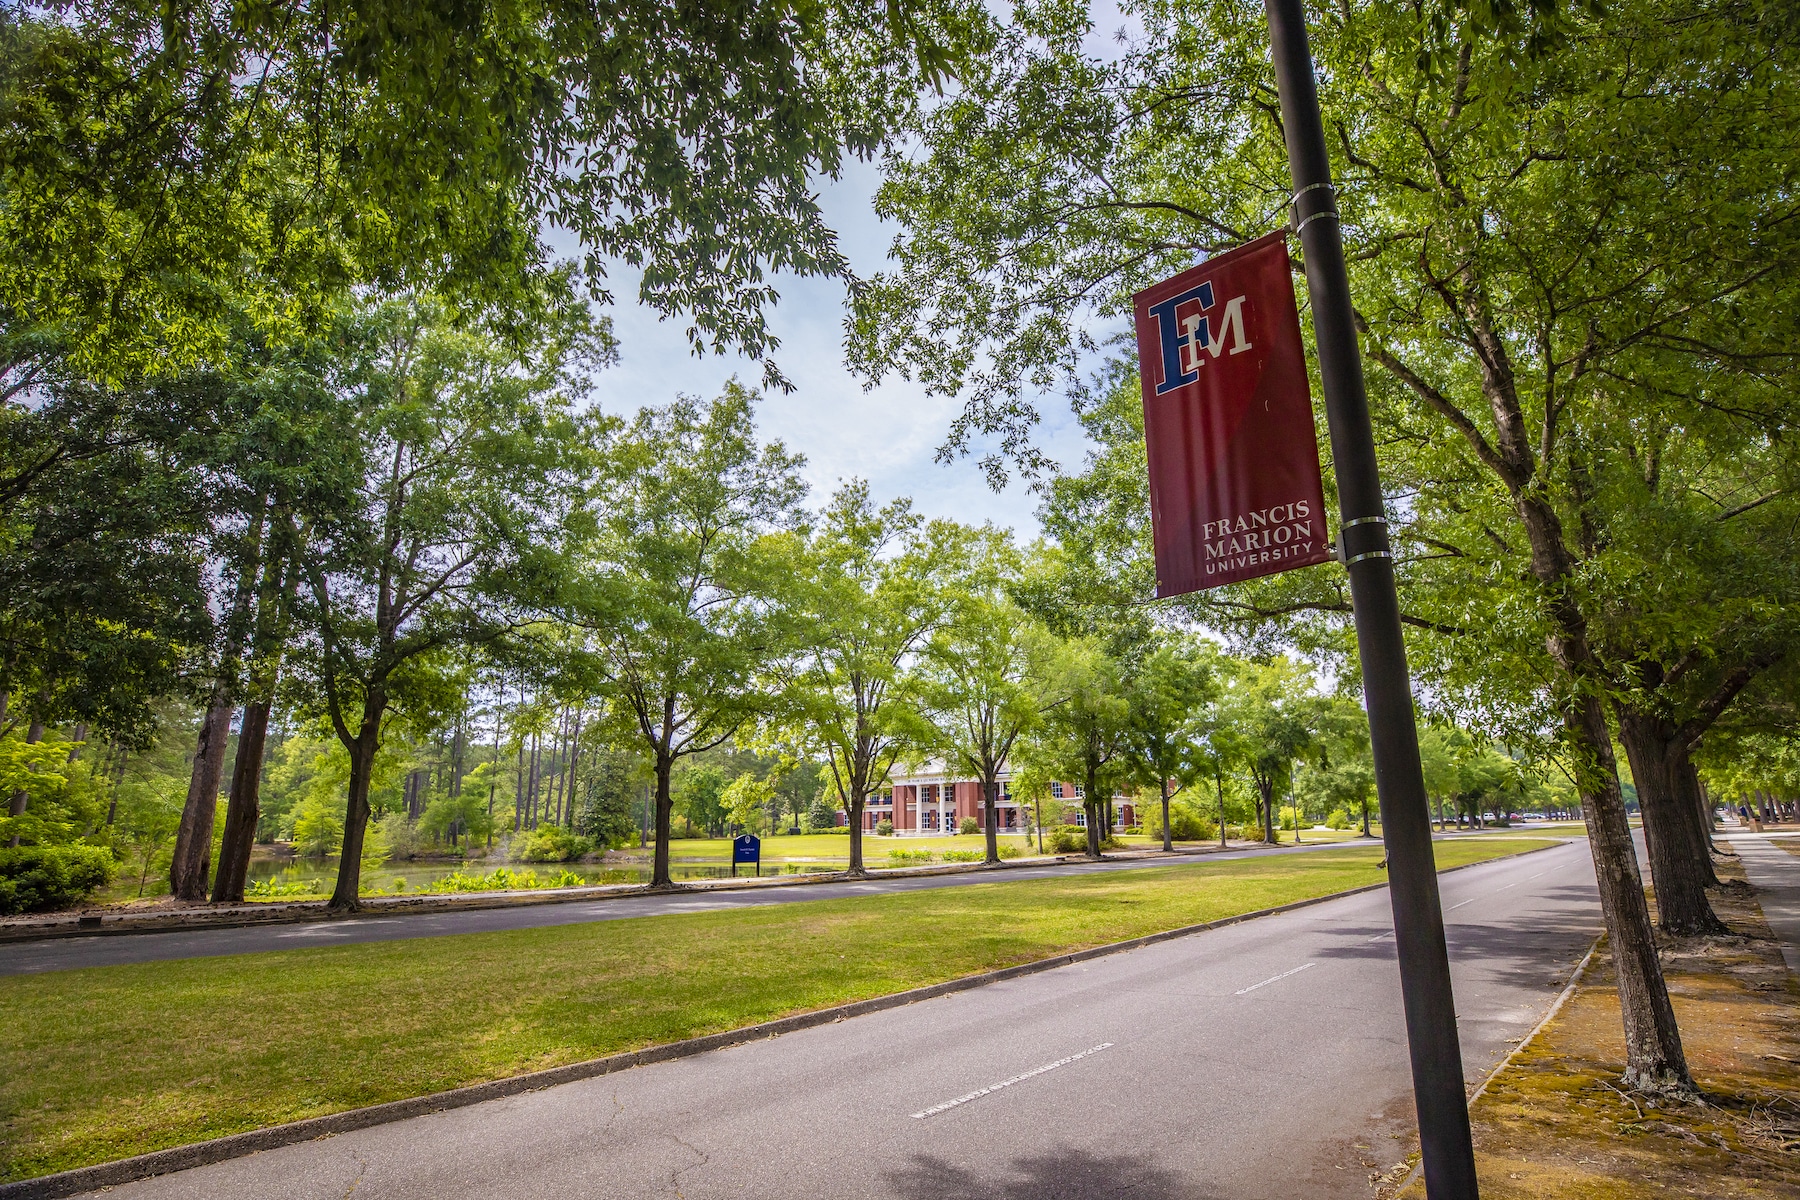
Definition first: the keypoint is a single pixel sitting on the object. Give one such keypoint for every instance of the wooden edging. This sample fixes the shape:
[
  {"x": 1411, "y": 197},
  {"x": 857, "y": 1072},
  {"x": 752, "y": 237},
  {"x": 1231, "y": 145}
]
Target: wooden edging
[{"x": 237, "y": 1145}]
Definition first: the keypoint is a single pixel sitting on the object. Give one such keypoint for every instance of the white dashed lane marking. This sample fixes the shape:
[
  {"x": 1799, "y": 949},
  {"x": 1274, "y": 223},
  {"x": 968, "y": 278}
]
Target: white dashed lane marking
[
  {"x": 1006, "y": 1083},
  {"x": 1273, "y": 979}
]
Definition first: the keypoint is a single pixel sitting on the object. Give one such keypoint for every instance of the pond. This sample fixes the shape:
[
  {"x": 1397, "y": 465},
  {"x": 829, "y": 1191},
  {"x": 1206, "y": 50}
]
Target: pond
[{"x": 297, "y": 878}]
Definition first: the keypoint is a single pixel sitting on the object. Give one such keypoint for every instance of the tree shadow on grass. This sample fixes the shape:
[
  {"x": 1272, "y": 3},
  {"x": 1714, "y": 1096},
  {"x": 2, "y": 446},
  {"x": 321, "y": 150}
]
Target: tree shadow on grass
[{"x": 1064, "y": 1175}]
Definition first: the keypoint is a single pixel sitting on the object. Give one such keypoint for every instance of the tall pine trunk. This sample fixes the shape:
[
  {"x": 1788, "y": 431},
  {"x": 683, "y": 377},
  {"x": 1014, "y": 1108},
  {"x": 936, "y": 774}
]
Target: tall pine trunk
[
  {"x": 1168, "y": 837},
  {"x": 1680, "y": 863},
  {"x": 245, "y": 805},
  {"x": 21, "y": 798},
  {"x": 189, "y": 866}
]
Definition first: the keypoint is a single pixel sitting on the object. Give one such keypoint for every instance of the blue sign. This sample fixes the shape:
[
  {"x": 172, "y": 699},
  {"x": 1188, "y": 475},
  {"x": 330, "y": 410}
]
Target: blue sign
[{"x": 747, "y": 849}]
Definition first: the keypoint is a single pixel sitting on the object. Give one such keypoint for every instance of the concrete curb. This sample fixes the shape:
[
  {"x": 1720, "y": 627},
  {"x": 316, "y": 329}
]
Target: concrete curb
[{"x": 238, "y": 1145}]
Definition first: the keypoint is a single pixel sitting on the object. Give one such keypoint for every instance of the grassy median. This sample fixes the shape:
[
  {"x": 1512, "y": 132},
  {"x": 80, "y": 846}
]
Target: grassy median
[{"x": 114, "y": 1061}]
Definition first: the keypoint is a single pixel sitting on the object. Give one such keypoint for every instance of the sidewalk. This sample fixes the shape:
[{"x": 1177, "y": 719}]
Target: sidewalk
[{"x": 1775, "y": 874}]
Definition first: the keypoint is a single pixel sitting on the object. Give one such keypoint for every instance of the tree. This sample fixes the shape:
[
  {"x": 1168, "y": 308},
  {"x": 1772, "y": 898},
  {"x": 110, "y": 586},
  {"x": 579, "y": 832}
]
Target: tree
[
  {"x": 1274, "y": 713},
  {"x": 453, "y": 479},
  {"x": 874, "y": 585},
  {"x": 170, "y": 172},
  {"x": 746, "y": 801},
  {"x": 1082, "y": 734},
  {"x": 1558, "y": 277},
  {"x": 682, "y": 581},
  {"x": 1169, "y": 693},
  {"x": 980, "y": 687}
]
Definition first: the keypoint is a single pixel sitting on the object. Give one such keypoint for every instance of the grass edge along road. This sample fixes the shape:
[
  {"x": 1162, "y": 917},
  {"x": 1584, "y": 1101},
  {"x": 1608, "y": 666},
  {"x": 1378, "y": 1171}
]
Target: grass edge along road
[{"x": 110, "y": 1062}]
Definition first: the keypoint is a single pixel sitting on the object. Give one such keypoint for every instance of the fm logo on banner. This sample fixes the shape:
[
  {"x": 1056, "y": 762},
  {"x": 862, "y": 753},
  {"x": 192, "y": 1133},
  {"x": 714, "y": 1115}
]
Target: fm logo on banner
[{"x": 1228, "y": 423}]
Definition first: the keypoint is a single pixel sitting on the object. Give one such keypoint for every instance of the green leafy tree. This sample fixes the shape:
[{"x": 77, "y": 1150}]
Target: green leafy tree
[
  {"x": 683, "y": 582},
  {"x": 875, "y": 584},
  {"x": 981, "y": 687},
  {"x": 1562, "y": 280},
  {"x": 1169, "y": 694},
  {"x": 451, "y": 475},
  {"x": 1083, "y": 732}
]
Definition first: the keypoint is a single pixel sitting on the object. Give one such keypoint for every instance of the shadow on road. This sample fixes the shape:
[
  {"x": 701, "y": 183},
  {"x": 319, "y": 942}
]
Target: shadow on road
[
  {"x": 1513, "y": 950},
  {"x": 1070, "y": 1175}
]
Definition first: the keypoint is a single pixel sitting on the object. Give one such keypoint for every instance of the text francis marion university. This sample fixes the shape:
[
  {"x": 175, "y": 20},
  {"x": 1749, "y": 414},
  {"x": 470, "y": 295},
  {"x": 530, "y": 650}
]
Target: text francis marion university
[
  {"x": 1229, "y": 442},
  {"x": 1265, "y": 535}
]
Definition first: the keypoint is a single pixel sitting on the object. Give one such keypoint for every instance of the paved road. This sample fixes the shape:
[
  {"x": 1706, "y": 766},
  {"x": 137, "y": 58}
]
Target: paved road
[
  {"x": 62, "y": 954},
  {"x": 1266, "y": 1059}
]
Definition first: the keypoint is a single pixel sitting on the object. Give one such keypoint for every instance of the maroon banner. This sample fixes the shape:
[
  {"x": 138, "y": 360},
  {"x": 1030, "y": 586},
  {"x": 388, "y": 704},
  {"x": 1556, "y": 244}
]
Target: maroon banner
[{"x": 1228, "y": 423}]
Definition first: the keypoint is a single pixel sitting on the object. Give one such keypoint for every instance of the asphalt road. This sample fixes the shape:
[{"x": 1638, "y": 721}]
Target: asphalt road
[
  {"x": 1266, "y": 1059},
  {"x": 67, "y": 953}
]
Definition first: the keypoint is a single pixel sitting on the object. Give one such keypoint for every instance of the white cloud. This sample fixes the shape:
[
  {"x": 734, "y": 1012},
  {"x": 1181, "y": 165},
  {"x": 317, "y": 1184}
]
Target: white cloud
[{"x": 888, "y": 436}]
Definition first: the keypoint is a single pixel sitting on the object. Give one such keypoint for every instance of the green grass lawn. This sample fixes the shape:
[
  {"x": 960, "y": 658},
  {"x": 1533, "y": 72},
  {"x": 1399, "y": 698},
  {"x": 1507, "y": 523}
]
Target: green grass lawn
[{"x": 114, "y": 1061}]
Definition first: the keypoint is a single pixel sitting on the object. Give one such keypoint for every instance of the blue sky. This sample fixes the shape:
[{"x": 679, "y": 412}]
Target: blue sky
[{"x": 888, "y": 436}]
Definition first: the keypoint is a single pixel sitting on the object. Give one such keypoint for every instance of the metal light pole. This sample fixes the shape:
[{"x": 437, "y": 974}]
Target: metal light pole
[{"x": 1438, "y": 1091}]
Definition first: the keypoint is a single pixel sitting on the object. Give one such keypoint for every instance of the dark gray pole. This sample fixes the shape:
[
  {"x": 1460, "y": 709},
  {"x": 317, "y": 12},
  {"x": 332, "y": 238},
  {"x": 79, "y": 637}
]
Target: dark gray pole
[{"x": 1438, "y": 1090}]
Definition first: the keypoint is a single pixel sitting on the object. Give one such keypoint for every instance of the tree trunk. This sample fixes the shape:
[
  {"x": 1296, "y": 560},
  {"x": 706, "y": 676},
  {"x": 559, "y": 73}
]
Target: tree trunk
[
  {"x": 1680, "y": 866},
  {"x": 244, "y": 806},
  {"x": 1219, "y": 788},
  {"x": 853, "y": 812},
  {"x": 1093, "y": 811},
  {"x": 346, "y": 896},
  {"x": 188, "y": 869},
  {"x": 22, "y": 798},
  {"x": 990, "y": 813},
  {"x": 1654, "y": 1060},
  {"x": 1168, "y": 838},
  {"x": 665, "y": 804}
]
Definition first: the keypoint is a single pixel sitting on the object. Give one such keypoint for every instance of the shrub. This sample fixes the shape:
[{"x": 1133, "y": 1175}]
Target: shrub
[
  {"x": 884, "y": 828},
  {"x": 901, "y": 858},
  {"x": 1011, "y": 852},
  {"x": 968, "y": 826},
  {"x": 41, "y": 878},
  {"x": 1186, "y": 824},
  {"x": 502, "y": 880},
  {"x": 1134, "y": 829},
  {"x": 552, "y": 843},
  {"x": 1339, "y": 819},
  {"x": 1068, "y": 839},
  {"x": 964, "y": 855},
  {"x": 275, "y": 889}
]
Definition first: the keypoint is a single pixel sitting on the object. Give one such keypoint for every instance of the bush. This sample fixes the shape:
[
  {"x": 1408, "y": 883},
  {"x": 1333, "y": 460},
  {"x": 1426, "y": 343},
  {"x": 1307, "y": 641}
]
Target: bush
[
  {"x": 41, "y": 878},
  {"x": 1011, "y": 852},
  {"x": 1136, "y": 829},
  {"x": 884, "y": 828},
  {"x": 276, "y": 889},
  {"x": 968, "y": 826},
  {"x": 1339, "y": 819},
  {"x": 901, "y": 858},
  {"x": 964, "y": 855},
  {"x": 552, "y": 843},
  {"x": 1068, "y": 839},
  {"x": 1186, "y": 824},
  {"x": 502, "y": 880}
]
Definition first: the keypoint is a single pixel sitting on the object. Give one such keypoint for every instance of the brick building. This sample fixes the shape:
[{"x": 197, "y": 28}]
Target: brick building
[{"x": 929, "y": 799}]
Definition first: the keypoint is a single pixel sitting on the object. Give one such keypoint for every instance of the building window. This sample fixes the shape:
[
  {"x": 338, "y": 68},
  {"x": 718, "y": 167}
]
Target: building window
[
  {"x": 1056, "y": 790},
  {"x": 1079, "y": 792},
  {"x": 1081, "y": 819}
]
